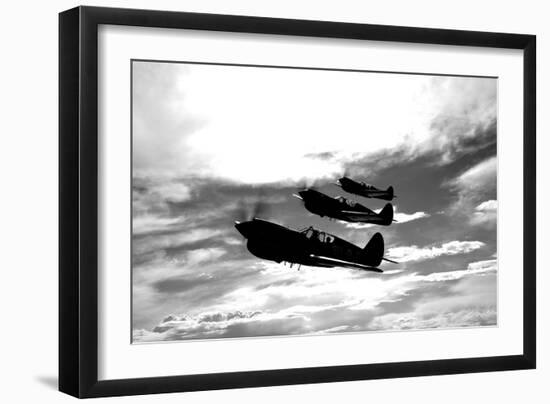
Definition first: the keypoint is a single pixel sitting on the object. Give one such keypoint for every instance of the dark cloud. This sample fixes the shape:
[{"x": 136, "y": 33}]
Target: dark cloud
[
  {"x": 160, "y": 329},
  {"x": 181, "y": 285},
  {"x": 321, "y": 156},
  {"x": 481, "y": 137},
  {"x": 275, "y": 327}
]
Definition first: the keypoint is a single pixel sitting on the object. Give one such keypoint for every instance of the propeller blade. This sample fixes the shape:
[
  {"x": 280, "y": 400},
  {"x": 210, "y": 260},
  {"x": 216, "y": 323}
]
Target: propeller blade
[
  {"x": 242, "y": 212},
  {"x": 260, "y": 208}
]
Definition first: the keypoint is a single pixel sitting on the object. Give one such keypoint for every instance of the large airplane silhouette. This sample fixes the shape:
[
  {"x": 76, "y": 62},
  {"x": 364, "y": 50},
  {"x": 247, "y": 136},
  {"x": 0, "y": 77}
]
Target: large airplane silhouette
[
  {"x": 343, "y": 209},
  {"x": 364, "y": 189},
  {"x": 311, "y": 247}
]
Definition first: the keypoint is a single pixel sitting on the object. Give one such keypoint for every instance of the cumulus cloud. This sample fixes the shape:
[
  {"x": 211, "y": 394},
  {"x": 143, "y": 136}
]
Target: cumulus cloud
[
  {"x": 477, "y": 177},
  {"x": 160, "y": 126},
  {"x": 405, "y": 217},
  {"x": 188, "y": 119},
  {"x": 487, "y": 206},
  {"x": 480, "y": 267},
  {"x": 483, "y": 266},
  {"x": 485, "y": 213},
  {"x": 415, "y": 253},
  {"x": 468, "y": 299},
  {"x": 472, "y": 317},
  {"x": 474, "y": 186},
  {"x": 218, "y": 325},
  {"x": 400, "y": 217},
  {"x": 358, "y": 225},
  {"x": 466, "y": 121},
  {"x": 338, "y": 301}
]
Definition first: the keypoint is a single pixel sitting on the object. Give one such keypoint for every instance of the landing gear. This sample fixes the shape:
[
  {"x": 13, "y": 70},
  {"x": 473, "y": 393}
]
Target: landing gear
[{"x": 291, "y": 264}]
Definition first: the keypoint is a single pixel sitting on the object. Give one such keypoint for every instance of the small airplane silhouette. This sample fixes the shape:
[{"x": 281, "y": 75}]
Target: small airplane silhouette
[
  {"x": 311, "y": 247},
  {"x": 363, "y": 189},
  {"x": 343, "y": 209}
]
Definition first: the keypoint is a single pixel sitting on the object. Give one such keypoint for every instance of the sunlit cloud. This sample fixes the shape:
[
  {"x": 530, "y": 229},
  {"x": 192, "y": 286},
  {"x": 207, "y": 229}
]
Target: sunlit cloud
[
  {"x": 328, "y": 290},
  {"x": 479, "y": 267},
  {"x": 485, "y": 213},
  {"x": 473, "y": 186},
  {"x": 415, "y": 253},
  {"x": 188, "y": 119},
  {"x": 399, "y": 217}
]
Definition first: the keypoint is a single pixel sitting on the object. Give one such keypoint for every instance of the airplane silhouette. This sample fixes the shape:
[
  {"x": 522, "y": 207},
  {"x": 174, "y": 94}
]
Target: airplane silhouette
[
  {"x": 363, "y": 189},
  {"x": 344, "y": 209},
  {"x": 311, "y": 247}
]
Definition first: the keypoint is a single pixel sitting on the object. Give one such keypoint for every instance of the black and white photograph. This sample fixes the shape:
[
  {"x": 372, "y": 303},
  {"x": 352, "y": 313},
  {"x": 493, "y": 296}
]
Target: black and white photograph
[
  {"x": 280, "y": 200},
  {"x": 275, "y": 202}
]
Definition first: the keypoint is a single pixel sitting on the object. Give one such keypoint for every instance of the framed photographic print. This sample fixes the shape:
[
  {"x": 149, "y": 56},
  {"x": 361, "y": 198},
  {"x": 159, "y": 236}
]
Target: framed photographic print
[{"x": 250, "y": 201}]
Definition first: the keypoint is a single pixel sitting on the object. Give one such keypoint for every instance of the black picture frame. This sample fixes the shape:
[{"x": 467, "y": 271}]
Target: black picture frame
[{"x": 78, "y": 201}]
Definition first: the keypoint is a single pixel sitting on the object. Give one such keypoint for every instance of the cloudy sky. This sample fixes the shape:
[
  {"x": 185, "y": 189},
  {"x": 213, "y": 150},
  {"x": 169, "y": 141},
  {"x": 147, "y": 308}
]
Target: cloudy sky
[{"x": 210, "y": 141}]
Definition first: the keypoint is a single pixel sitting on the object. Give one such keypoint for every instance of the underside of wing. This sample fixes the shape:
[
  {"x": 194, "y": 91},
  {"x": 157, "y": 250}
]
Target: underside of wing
[
  {"x": 341, "y": 263},
  {"x": 356, "y": 216},
  {"x": 359, "y": 213}
]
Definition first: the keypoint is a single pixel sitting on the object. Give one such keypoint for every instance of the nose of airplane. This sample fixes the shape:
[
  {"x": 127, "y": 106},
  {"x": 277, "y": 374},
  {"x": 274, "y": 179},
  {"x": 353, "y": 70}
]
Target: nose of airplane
[{"x": 244, "y": 228}]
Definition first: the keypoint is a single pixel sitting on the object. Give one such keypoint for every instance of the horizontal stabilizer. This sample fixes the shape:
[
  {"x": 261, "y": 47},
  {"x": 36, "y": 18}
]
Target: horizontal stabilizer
[{"x": 393, "y": 262}]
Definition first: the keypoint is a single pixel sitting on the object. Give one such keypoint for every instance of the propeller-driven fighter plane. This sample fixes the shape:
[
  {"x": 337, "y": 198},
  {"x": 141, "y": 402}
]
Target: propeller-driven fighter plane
[
  {"x": 344, "y": 209},
  {"x": 311, "y": 247},
  {"x": 363, "y": 189}
]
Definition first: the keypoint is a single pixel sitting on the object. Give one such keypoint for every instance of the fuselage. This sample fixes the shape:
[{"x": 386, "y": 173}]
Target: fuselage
[
  {"x": 366, "y": 190},
  {"x": 340, "y": 208}
]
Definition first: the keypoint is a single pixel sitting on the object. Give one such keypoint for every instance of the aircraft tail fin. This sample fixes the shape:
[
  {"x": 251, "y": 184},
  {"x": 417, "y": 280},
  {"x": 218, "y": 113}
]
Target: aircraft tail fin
[
  {"x": 387, "y": 214},
  {"x": 390, "y": 192},
  {"x": 374, "y": 251}
]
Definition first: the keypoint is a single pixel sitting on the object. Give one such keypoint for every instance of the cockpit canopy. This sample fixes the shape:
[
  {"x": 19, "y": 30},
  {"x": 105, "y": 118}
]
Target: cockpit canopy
[
  {"x": 313, "y": 234},
  {"x": 341, "y": 199},
  {"x": 368, "y": 186}
]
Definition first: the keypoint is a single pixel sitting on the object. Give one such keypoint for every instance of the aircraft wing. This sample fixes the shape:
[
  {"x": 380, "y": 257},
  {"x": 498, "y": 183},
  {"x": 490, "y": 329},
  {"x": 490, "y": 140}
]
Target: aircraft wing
[
  {"x": 341, "y": 263},
  {"x": 355, "y": 216},
  {"x": 358, "y": 213}
]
